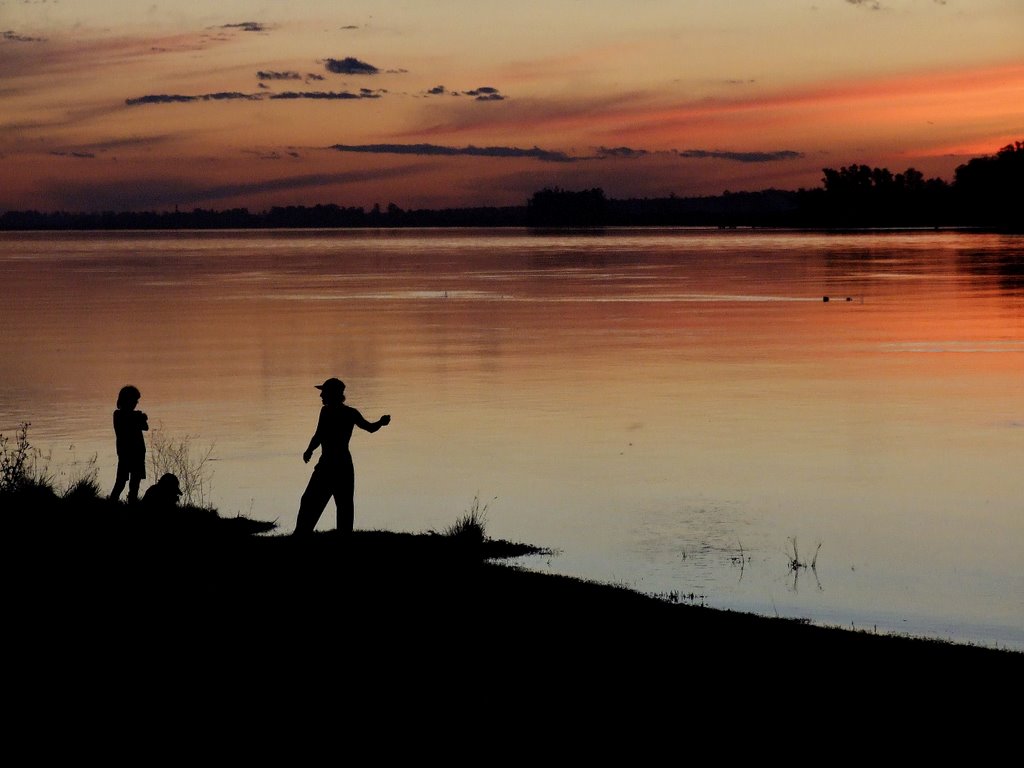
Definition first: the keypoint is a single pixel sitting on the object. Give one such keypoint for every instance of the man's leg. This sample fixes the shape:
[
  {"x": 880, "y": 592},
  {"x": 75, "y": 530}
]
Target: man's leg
[
  {"x": 344, "y": 497},
  {"x": 312, "y": 504}
]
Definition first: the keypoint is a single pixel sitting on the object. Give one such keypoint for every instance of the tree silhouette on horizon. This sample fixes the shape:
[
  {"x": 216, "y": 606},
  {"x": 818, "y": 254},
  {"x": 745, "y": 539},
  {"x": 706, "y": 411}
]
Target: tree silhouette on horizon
[{"x": 986, "y": 192}]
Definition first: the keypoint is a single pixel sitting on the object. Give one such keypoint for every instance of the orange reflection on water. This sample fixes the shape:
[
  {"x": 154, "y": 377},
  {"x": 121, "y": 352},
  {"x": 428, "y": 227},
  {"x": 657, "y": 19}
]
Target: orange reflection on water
[{"x": 625, "y": 397}]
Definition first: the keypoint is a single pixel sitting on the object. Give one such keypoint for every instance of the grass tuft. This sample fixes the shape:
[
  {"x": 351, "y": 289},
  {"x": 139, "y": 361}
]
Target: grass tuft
[
  {"x": 470, "y": 528},
  {"x": 21, "y": 465},
  {"x": 85, "y": 488},
  {"x": 183, "y": 458},
  {"x": 25, "y": 469}
]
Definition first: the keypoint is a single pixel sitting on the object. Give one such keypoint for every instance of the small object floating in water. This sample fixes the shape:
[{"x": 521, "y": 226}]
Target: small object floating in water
[{"x": 824, "y": 298}]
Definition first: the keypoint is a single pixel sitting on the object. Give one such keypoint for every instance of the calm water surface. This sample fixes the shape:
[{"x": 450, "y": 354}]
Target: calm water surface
[{"x": 670, "y": 409}]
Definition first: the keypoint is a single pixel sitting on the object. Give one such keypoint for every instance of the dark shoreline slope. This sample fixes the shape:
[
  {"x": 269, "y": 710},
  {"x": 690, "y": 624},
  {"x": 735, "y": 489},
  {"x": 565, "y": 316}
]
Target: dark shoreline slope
[
  {"x": 192, "y": 627},
  {"x": 234, "y": 582},
  {"x": 155, "y": 631}
]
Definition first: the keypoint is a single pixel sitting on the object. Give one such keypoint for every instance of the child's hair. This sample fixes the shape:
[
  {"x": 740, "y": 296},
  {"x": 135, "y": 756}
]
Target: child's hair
[{"x": 128, "y": 397}]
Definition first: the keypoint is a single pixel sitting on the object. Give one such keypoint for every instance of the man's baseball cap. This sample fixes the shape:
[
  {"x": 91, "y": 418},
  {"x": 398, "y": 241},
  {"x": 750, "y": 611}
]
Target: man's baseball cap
[{"x": 332, "y": 385}]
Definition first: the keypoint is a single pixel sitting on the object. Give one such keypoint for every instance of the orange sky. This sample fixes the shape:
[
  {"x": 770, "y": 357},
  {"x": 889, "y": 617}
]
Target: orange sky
[{"x": 113, "y": 104}]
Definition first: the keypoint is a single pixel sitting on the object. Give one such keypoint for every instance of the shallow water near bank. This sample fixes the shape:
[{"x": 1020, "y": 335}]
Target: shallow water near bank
[{"x": 678, "y": 411}]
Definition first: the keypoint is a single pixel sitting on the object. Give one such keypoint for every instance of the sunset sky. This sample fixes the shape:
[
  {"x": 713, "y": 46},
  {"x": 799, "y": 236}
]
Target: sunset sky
[{"x": 128, "y": 105}]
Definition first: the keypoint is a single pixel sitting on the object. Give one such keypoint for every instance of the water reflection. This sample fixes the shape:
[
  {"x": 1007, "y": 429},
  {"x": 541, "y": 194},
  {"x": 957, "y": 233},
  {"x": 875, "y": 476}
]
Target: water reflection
[{"x": 627, "y": 398}]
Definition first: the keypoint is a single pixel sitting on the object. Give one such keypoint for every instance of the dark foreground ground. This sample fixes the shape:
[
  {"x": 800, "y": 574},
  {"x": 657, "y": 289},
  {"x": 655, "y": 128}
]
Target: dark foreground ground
[{"x": 192, "y": 611}]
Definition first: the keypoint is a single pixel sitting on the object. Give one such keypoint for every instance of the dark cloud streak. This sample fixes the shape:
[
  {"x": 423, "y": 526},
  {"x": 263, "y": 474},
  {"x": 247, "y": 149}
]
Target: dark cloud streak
[
  {"x": 164, "y": 98},
  {"x": 437, "y": 150},
  {"x": 246, "y": 26},
  {"x": 554, "y": 156},
  {"x": 350, "y": 66},
  {"x": 622, "y": 152},
  {"x": 326, "y": 95},
  {"x": 265, "y": 75},
  {"x": 14, "y": 37},
  {"x": 740, "y": 157},
  {"x": 174, "y": 98},
  {"x": 485, "y": 93}
]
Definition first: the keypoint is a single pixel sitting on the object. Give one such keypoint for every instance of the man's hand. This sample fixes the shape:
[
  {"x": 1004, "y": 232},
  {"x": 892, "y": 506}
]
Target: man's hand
[
  {"x": 385, "y": 420},
  {"x": 306, "y": 456}
]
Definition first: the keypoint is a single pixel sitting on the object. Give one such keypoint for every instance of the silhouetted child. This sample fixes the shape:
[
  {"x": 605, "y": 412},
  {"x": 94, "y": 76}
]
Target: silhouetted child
[
  {"x": 334, "y": 474},
  {"x": 129, "y": 424}
]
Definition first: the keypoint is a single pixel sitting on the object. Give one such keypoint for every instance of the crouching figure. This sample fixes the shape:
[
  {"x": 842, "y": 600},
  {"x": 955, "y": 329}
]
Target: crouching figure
[{"x": 164, "y": 494}]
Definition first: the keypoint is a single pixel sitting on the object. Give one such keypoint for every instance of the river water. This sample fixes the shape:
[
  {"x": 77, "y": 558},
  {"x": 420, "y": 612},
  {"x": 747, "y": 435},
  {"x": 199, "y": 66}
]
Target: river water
[{"x": 678, "y": 411}]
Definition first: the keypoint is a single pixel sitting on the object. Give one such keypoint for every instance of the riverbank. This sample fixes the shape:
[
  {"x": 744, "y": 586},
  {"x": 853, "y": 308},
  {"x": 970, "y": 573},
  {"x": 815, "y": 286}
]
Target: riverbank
[
  {"x": 181, "y": 630},
  {"x": 456, "y": 598}
]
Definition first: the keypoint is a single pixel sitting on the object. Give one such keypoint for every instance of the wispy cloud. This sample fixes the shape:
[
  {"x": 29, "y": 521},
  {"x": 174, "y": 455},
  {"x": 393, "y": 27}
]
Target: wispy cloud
[
  {"x": 486, "y": 93},
  {"x": 622, "y": 152},
  {"x": 164, "y": 98},
  {"x": 161, "y": 192},
  {"x": 364, "y": 93},
  {"x": 246, "y": 26},
  {"x": 876, "y": 5},
  {"x": 556, "y": 156},
  {"x": 14, "y": 37},
  {"x": 483, "y": 93},
  {"x": 873, "y": 5},
  {"x": 629, "y": 153},
  {"x": 272, "y": 154},
  {"x": 265, "y": 75},
  {"x": 437, "y": 150},
  {"x": 350, "y": 66},
  {"x": 71, "y": 56},
  {"x": 177, "y": 98},
  {"x": 740, "y": 157},
  {"x": 303, "y": 182}
]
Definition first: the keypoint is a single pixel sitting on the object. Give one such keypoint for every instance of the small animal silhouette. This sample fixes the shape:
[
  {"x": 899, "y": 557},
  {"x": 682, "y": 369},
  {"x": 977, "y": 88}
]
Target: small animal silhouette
[{"x": 164, "y": 494}]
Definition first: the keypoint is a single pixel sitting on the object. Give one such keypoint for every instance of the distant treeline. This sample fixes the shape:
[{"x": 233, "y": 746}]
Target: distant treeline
[{"x": 986, "y": 192}]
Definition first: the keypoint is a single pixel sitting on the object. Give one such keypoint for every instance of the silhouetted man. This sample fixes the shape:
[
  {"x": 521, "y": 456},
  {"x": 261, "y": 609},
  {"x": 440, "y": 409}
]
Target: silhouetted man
[{"x": 334, "y": 474}]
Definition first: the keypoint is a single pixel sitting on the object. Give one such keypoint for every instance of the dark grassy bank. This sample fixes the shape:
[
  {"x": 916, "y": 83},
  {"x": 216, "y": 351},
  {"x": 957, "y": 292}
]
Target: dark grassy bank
[
  {"x": 187, "y": 574},
  {"x": 132, "y": 631},
  {"x": 146, "y": 631}
]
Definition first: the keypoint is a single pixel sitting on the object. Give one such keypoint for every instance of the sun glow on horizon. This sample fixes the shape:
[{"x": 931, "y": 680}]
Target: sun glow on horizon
[{"x": 124, "y": 106}]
